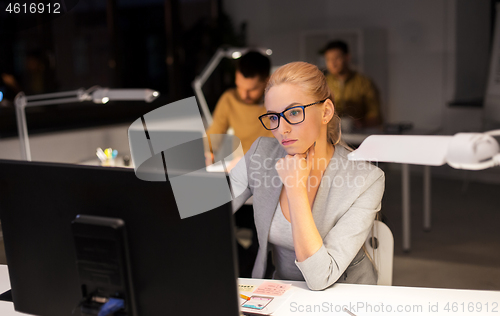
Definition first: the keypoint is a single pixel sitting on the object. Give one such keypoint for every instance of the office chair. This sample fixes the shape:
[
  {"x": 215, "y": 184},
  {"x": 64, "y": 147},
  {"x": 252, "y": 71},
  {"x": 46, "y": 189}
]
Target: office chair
[{"x": 380, "y": 246}]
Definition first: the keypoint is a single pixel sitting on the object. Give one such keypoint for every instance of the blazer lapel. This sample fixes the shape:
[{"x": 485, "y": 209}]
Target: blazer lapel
[
  {"x": 269, "y": 197},
  {"x": 267, "y": 200},
  {"x": 326, "y": 182}
]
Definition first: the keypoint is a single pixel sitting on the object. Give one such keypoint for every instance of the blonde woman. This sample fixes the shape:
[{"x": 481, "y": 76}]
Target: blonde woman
[{"x": 313, "y": 208}]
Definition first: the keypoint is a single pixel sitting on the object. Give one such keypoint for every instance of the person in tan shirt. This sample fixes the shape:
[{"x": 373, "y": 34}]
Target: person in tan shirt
[
  {"x": 242, "y": 117},
  {"x": 355, "y": 95},
  {"x": 241, "y": 107}
]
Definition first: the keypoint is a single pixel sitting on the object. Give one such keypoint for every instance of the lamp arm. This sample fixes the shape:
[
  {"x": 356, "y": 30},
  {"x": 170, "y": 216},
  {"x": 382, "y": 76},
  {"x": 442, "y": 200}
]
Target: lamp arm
[
  {"x": 53, "y": 101},
  {"x": 200, "y": 81},
  {"x": 203, "y": 104},
  {"x": 493, "y": 133},
  {"x": 209, "y": 69},
  {"x": 55, "y": 95},
  {"x": 212, "y": 64},
  {"x": 20, "y": 104}
]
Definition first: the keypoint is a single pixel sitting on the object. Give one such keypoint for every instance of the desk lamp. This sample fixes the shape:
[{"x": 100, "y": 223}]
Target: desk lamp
[
  {"x": 470, "y": 151},
  {"x": 95, "y": 94},
  {"x": 199, "y": 81}
]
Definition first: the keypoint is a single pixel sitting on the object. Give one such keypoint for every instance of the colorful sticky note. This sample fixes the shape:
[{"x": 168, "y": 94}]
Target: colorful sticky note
[
  {"x": 245, "y": 288},
  {"x": 273, "y": 289},
  {"x": 257, "y": 302}
]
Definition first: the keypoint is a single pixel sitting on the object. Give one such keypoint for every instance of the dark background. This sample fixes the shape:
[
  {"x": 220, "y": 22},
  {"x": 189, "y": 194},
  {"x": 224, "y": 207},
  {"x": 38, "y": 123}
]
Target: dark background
[
  {"x": 155, "y": 44},
  {"x": 163, "y": 45}
]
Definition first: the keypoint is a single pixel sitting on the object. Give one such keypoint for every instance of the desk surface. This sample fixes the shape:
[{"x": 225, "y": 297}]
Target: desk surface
[
  {"x": 6, "y": 308},
  {"x": 359, "y": 299},
  {"x": 385, "y": 300}
]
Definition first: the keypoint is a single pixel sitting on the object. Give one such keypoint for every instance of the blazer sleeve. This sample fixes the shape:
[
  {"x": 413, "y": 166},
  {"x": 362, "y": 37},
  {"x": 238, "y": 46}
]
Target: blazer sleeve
[
  {"x": 346, "y": 238},
  {"x": 238, "y": 178}
]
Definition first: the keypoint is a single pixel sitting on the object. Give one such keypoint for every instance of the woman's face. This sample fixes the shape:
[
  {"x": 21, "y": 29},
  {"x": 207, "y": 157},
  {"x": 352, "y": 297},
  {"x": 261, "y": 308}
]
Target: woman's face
[{"x": 295, "y": 138}]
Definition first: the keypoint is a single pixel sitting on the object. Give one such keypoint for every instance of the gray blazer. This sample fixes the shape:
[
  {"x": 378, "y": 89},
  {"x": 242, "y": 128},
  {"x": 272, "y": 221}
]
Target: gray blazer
[{"x": 344, "y": 209}]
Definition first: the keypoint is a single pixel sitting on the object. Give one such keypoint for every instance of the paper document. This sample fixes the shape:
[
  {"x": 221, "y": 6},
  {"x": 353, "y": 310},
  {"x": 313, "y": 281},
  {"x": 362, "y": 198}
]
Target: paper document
[{"x": 265, "y": 299}]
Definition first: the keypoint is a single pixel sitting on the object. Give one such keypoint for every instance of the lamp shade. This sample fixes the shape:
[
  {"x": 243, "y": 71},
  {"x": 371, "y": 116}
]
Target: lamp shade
[
  {"x": 472, "y": 151},
  {"x": 104, "y": 95}
]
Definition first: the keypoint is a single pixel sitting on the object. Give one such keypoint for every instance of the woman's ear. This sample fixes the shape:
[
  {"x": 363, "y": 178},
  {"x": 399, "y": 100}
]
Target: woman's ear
[{"x": 328, "y": 111}]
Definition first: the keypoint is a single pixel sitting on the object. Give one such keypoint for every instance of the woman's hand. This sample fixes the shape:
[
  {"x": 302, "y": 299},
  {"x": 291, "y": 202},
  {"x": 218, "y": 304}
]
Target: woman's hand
[{"x": 294, "y": 170}]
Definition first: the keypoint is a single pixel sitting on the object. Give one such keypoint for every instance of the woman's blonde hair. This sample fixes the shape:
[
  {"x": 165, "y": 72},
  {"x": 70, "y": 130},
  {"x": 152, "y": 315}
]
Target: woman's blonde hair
[{"x": 313, "y": 82}]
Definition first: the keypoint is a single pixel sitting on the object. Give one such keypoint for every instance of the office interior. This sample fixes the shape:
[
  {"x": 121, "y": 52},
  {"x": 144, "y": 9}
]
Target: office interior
[{"x": 429, "y": 58}]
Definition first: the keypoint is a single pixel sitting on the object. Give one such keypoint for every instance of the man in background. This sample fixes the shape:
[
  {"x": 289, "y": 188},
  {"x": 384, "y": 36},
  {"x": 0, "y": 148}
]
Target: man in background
[
  {"x": 355, "y": 95},
  {"x": 239, "y": 108}
]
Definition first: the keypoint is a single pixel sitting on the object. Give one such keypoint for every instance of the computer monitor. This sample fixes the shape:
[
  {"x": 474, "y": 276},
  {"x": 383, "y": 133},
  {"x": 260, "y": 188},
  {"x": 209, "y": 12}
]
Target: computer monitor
[{"x": 179, "y": 267}]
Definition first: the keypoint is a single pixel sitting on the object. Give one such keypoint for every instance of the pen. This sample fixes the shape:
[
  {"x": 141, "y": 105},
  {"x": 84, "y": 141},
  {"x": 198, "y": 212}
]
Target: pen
[
  {"x": 100, "y": 157},
  {"x": 100, "y": 154},
  {"x": 349, "y": 312},
  {"x": 244, "y": 297},
  {"x": 108, "y": 152}
]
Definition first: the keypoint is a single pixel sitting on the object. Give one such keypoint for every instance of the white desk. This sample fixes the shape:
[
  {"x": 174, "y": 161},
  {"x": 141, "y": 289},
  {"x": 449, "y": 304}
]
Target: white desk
[
  {"x": 6, "y": 308},
  {"x": 356, "y": 298},
  {"x": 118, "y": 163}
]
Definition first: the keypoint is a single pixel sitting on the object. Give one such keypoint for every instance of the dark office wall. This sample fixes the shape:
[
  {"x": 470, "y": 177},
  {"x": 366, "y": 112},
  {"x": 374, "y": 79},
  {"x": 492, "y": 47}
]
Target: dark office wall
[
  {"x": 156, "y": 44},
  {"x": 436, "y": 49},
  {"x": 81, "y": 49},
  {"x": 416, "y": 43},
  {"x": 473, "y": 38}
]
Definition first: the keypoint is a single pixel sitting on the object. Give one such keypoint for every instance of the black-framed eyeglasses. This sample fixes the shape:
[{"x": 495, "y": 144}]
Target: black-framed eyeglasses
[{"x": 293, "y": 115}]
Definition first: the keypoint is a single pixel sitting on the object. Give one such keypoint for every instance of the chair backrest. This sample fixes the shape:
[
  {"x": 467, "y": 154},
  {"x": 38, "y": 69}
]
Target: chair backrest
[{"x": 382, "y": 251}]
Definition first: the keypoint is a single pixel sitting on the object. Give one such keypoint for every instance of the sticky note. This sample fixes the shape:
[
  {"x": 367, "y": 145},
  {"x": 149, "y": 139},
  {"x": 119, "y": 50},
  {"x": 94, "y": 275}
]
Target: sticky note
[
  {"x": 273, "y": 289},
  {"x": 245, "y": 288},
  {"x": 257, "y": 302}
]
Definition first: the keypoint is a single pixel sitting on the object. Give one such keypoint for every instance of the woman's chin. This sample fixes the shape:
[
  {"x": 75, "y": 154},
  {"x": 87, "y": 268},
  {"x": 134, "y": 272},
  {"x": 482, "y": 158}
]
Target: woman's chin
[{"x": 292, "y": 151}]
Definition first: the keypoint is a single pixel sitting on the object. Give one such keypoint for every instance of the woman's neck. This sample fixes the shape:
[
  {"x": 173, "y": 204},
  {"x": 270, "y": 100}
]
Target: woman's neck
[{"x": 322, "y": 156}]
